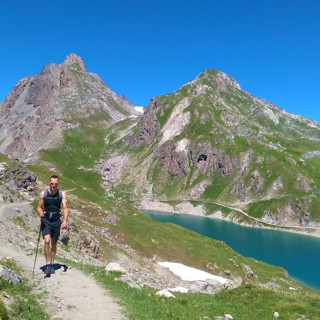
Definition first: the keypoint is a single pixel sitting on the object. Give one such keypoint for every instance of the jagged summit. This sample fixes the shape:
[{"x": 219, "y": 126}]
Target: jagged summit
[
  {"x": 215, "y": 79},
  {"x": 73, "y": 58},
  {"x": 219, "y": 78}
]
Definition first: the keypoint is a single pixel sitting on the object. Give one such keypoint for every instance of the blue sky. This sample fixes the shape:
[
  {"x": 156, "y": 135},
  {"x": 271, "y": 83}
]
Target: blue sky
[{"x": 143, "y": 48}]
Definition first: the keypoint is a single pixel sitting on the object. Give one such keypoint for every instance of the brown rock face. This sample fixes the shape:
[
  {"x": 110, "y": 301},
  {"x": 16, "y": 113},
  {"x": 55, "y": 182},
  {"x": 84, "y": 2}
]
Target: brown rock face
[
  {"x": 148, "y": 125},
  {"x": 205, "y": 156},
  {"x": 43, "y": 86},
  {"x": 175, "y": 161}
]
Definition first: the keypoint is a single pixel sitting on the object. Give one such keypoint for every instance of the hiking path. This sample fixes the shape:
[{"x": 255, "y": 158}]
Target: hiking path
[{"x": 68, "y": 294}]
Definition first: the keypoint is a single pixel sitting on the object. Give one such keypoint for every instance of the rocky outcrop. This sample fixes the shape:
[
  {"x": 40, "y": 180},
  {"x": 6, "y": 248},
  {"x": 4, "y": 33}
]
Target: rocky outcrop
[
  {"x": 204, "y": 156},
  {"x": 18, "y": 177},
  {"x": 84, "y": 240},
  {"x": 43, "y": 86},
  {"x": 311, "y": 154},
  {"x": 110, "y": 170},
  {"x": 221, "y": 80},
  {"x": 208, "y": 286},
  {"x": 174, "y": 161},
  {"x": 177, "y": 121},
  {"x": 147, "y": 126}
]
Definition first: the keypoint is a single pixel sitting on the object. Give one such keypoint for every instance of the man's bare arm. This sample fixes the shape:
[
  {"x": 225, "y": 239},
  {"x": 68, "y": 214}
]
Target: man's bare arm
[
  {"x": 65, "y": 210},
  {"x": 40, "y": 205}
]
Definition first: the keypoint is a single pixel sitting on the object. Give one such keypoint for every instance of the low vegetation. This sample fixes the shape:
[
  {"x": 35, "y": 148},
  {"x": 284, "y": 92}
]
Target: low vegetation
[
  {"x": 22, "y": 304},
  {"x": 246, "y": 302}
]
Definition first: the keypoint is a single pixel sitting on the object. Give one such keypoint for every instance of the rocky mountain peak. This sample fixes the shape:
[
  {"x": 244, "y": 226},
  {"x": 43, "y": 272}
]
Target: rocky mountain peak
[
  {"x": 219, "y": 78},
  {"x": 72, "y": 58},
  {"x": 39, "y": 108}
]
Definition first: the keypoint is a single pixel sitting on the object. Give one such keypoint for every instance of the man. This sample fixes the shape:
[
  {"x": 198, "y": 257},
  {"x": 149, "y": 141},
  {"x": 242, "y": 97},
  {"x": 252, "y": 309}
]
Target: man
[{"x": 49, "y": 207}]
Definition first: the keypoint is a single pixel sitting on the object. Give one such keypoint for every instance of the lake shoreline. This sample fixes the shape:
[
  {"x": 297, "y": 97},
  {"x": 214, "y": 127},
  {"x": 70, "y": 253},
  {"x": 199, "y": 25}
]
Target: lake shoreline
[{"x": 187, "y": 208}]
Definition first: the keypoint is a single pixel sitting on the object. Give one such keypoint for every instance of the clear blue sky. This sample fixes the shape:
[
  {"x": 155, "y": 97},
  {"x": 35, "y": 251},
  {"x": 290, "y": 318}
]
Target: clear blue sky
[{"x": 143, "y": 48}]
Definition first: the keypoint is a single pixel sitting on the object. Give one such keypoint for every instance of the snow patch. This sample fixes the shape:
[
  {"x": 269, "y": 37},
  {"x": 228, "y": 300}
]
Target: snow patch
[
  {"x": 139, "y": 109},
  {"x": 190, "y": 274}
]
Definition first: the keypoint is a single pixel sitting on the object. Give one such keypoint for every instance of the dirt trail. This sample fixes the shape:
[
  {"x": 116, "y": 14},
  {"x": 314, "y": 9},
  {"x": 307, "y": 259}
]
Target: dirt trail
[{"x": 68, "y": 294}]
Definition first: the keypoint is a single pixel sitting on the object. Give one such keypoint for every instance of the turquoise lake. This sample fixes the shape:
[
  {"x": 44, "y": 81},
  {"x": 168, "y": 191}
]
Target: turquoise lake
[{"x": 298, "y": 254}]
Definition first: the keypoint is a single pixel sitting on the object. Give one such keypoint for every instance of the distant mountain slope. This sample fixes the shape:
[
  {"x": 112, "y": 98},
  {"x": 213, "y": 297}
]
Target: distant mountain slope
[
  {"x": 39, "y": 108},
  {"x": 212, "y": 142}
]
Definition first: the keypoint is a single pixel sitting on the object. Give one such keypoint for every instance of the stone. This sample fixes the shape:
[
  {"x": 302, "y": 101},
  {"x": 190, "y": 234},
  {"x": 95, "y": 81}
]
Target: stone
[
  {"x": 9, "y": 275},
  {"x": 208, "y": 286},
  {"x": 114, "y": 267},
  {"x": 247, "y": 270},
  {"x": 128, "y": 280},
  {"x": 232, "y": 284},
  {"x": 272, "y": 285},
  {"x": 179, "y": 289},
  {"x": 227, "y": 272},
  {"x": 165, "y": 293},
  {"x": 86, "y": 241}
]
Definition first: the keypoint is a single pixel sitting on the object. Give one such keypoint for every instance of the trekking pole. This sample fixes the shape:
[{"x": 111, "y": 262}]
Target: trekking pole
[{"x": 35, "y": 259}]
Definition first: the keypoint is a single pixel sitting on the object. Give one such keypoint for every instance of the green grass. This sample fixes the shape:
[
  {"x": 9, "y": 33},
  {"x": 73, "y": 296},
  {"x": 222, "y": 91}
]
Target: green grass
[
  {"x": 82, "y": 147},
  {"x": 4, "y": 158},
  {"x": 20, "y": 222},
  {"x": 170, "y": 242},
  {"x": 3, "y": 311},
  {"x": 25, "y": 305},
  {"x": 246, "y": 302},
  {"x": 219, "y": 184}
]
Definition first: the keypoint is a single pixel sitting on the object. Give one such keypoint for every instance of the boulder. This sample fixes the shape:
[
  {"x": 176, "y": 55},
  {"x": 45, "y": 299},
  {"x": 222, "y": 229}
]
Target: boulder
[
  {"x": 85, "y": 240},
  {"x": 9, "y": 275},
  {"x": 208, "y": 286},
  {"x": 247, "y": 270},
  {"x": 179, "y": 289},
  {"x": 114, "y": 267},
  {"x": 165, "y": 293},
  {"x": 128, "y": 280}
]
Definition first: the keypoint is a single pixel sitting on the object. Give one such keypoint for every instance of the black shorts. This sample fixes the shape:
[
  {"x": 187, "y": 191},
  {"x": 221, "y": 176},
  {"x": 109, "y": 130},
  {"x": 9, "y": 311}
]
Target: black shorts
[{"x": 52, "y": 228}]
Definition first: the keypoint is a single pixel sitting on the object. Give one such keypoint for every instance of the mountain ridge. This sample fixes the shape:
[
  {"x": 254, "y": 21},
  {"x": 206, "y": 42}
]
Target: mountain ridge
[
  {"x": 209, "y": 140},
  {"x": 53, "y": 101},
  {"x": 206, "y": 146}
]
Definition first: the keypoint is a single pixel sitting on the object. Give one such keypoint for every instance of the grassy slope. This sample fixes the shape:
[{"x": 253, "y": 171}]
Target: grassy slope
[
  {"x": 246, "y": 302},
  {"x": 169, "y": 242}
]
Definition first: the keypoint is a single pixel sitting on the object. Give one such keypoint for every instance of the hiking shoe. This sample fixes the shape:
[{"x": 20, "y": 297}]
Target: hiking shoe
[
  {"x": 47, "y": 270},
  {"x": 52, "y": 270}
]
